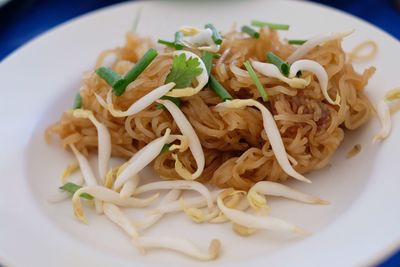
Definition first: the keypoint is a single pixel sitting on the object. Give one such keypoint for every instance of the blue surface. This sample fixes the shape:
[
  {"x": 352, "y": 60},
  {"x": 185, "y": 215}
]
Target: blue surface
[{"x": 21, "y": 20}]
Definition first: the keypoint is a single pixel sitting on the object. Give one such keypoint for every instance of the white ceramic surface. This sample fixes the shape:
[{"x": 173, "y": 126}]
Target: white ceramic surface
[
  {"x": 40, "y": 79},
  {"x": 3, "y": 2}
]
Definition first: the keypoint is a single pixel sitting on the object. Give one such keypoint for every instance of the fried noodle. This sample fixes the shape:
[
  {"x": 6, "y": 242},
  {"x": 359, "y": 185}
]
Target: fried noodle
[{"x": 237, "y": 151}]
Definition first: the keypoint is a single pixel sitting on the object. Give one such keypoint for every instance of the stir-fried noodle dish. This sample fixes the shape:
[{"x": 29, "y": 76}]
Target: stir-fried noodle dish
[{"x": 230, "y": 115}]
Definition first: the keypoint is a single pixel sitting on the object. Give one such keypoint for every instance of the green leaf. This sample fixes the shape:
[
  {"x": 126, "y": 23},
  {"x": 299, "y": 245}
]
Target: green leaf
[
  {"x": 110, "y": 76},
  {"x": 207, "y": 58},
  {"x": 165, "y": 148},
  {"x": 216, "y": 36},
  {"x": 119, "y": 83},
  {"x": 183, "y": 71},
  {"x": 256, "y": 81},
  {"x": 167, "y": 43},
  {"x": 178, "y": 41},
  {"x": 77, "y": 101},
  {"x": 296, "y": 42},
  {"x": 219, "y": 89},
  {"x": 72, "y": 188},
  {"x": 283, "y": 66},
  {"x": 250, "y": 31}
]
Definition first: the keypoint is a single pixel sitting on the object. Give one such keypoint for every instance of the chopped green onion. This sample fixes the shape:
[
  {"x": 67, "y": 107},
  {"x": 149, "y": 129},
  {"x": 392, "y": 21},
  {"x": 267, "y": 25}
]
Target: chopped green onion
[
  {"x": 251, "y": 32},
  {"x": 139, "y": 67},
  {"x": 219, "y": 89},
  {"x": 77, "y": 101},
  {"x": 274, "y": 26},
  {"x": 283, "y": 66},
  {"x": 167, "y": 43},
  {"x": 118, "y": 83},
  {"x": 175, "y": 100},
  {"x": 256, "y": 81},
  {"x": 160, "y": 106},
  {"x": 178, "y": 41},
  {"x": 72, "y": 188},
  {"x": 217, "y": 38},
  {"x": 296, "y": 42},
  {"x": 110, "y": 76},
  {"x": 177, "y": 44},
  {"x": 207, "y": 58},
  {"x": 217, "y": 55},
  {"x": 165, "y": 148}
]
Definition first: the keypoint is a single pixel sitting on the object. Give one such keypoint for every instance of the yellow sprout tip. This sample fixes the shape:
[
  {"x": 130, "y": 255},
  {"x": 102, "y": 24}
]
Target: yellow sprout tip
[
  {"x": 242, "y": 230},
  {"x": 79, "y": 213},
  {"x": 220, "y": 218},
  {"x": 256, "y": 201},
  {"x": 337, "y": 101},
  {"x": 301, "y": 231},
  {"x": 189, "y": 31},
  {"x": 322, "y": 202},
  {"x": 214, "y": 248},
  {"x": 194, "y": 214}
]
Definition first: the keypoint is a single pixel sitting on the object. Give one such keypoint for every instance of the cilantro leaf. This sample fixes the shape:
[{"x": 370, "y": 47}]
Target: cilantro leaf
[{"x": 183, "y": 71}]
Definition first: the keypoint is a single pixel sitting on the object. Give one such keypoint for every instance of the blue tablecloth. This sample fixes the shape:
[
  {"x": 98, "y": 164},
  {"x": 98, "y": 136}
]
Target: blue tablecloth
[{"x": 21, "y": 20}]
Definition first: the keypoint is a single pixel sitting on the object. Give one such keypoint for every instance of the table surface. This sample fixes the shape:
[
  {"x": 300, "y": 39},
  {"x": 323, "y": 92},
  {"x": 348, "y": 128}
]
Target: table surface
[{"x": 22, "y": 20}]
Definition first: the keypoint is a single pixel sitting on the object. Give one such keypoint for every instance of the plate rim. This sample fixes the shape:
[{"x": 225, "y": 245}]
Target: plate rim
[{"x": 139, "y": 2}]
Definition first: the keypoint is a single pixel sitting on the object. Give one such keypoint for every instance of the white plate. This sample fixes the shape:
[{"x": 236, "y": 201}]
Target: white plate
[
  {"x": 3, "y": 2},
  {"x": 39, "y": 81}
]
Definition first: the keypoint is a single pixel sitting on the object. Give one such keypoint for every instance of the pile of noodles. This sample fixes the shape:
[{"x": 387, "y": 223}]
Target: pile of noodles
[{"x": 237, "y": 151}]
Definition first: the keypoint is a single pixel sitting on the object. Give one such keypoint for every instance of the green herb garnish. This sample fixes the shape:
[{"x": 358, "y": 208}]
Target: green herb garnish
[
  {"x": 136, "y": 70},
  {"x": 177, "y": 44},
  {"x": 165, "y": 148},
  {"x": 182, "y": 74},
  {"x": 183, "y": 71},
  {"x": 296, "y": 42},
  {"x": 178, "y": 41},
  {"x": 219, "y": 89},
  {"x": 167, "y": 43},
  {"x": 283, "y": 66},
  {"x": 213, "y": 83},
  {"x": 256, "y": 81},
  {"x": 110, "y": 76},
  {"x": 72, "y": 188},
  {"x": 217, "y": 38},
  {"x": 119, "y": 83},
  {"x": 251, "y": 32},
  {"x": 77, "y": 101},
  {"x": 270, "y": 25},
  {"x": 217, "y": 55},
  {"x": 207, "y": 58}
]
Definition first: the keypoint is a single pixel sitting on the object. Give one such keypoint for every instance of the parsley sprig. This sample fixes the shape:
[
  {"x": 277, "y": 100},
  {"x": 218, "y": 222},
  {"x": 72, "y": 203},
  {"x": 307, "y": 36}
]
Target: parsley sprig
[{"x": 183, "y": 71}]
